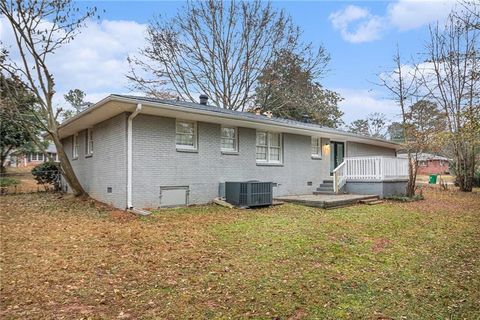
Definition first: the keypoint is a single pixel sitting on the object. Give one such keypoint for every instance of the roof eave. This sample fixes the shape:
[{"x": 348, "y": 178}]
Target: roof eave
[{"x": 260, "y": 120}]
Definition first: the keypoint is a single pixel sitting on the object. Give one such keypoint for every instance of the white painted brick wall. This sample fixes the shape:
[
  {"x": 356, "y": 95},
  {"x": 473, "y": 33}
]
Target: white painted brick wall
[
  {"x": 157, "y": 163},
  {"x": 107, "y": 167}
]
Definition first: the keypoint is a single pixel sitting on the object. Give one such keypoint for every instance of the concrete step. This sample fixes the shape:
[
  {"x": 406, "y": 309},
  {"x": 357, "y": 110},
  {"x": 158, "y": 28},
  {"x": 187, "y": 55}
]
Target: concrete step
[
  {"x": 328, "y": 181},
  {"x": 371, "y": 201},
  {"x": 374, "y": 202},
  {"x": 323, "y": 188}
]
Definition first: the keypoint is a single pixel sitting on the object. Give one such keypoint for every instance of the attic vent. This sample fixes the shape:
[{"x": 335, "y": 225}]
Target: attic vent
[{"x": 203, "y": 99}]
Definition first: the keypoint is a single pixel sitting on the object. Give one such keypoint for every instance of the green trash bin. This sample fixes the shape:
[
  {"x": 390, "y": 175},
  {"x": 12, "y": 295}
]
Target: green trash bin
[{"x": 432, "y": 179}]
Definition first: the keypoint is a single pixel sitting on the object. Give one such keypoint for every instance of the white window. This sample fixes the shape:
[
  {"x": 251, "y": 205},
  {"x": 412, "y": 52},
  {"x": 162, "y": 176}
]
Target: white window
[
  {"x": 269, "y": 147},
  {"x": 316, "y": 147},
  {"x": 186, "y": 135},
  {"x": 89, "y": 142},
  {"x": 40, "y": 156},
  {"x": 229, "y": 139},
  {"x": 75, "y": 146},
  {"x": 33, "y": 156}
]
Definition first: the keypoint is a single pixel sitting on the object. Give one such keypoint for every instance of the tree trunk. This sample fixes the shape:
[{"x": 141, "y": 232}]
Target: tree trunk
[
  {"x": 3, "y": 157},
  {"x": 465, "y": 168},
  {"x": 66, "y": 168},
  {"x": 2, "y": 165},
  {"x": 467, "y": 172},
  {"x": 412, "y": 176}
]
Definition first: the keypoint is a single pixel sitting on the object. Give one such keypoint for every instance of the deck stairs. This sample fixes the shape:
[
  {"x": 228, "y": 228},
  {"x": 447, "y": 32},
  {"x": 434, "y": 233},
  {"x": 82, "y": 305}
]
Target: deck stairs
[
  {"x": 371, "y": 201},
  {"x": 326, "y": 187}
]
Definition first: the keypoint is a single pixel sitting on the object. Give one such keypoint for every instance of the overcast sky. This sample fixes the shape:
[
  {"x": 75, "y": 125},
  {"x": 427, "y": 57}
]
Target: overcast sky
[{"x": 360, "y": 36}]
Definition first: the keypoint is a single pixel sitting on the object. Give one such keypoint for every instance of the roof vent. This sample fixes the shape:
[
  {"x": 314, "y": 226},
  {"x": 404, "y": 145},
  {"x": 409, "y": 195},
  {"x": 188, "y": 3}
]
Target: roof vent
[
  {"x": 306, "y": 118},
  {"x": 203, "y": 99},
  {"x": 268, "y": 114}
]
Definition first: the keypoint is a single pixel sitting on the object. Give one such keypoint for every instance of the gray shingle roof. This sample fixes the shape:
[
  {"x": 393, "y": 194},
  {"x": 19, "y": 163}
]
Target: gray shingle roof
[
  {"x": 246, "y": 115},
  {"x": 198, "y": 106}
]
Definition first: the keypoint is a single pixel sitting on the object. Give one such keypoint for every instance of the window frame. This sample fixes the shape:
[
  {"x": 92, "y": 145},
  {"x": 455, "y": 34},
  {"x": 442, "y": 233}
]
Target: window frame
[
  {"x": 318, "y": 147},
  {"x": 184, "y": 147},
  {"x": 75, "y": 146},
  {"x": 89, "y": 142},
  {"x": 235, "y": 140},
  {"x": 269, "y": 147}
]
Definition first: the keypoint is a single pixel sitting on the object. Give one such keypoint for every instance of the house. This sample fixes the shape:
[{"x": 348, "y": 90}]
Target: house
[
  {"x": 430, "y": 163},
  {"x": 34, "y": 158},
  {"x": 142, "y": 152}
]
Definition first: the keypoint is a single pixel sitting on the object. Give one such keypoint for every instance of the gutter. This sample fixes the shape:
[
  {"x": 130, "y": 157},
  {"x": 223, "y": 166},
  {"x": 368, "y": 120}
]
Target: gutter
[
  {"x": 130, "y": 155},
  {"x": 179, "y": 107},
  {"x": 173, "y": 106}
]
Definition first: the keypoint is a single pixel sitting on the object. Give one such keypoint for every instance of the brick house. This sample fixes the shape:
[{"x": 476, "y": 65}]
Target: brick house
[
  {"x": 140, "y": 152},
  {"x": 32, "y": 159},
  {"x": 431, "y": 164}
]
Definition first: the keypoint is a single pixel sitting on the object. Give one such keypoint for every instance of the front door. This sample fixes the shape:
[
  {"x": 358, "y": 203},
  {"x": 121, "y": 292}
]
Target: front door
[{"x": 337, "y": 153}]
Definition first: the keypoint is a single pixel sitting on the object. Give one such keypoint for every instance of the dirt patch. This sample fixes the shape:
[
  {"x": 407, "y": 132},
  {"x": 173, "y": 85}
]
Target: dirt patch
[
  {"x": 122, "y": 216},
  {"x": 380, "y": 245},
  {"x": 298, "y": 315}
]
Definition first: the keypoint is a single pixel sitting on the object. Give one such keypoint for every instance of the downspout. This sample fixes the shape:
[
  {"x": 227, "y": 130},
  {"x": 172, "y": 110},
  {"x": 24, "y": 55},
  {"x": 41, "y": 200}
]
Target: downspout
[{"x": 130, "y": 155}]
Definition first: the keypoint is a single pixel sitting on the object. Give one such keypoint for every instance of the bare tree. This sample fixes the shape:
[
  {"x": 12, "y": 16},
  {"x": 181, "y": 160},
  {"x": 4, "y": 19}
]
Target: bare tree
[
  {"x": 402, "y": 85},
  {"x": 374, "y": 125},
  {"x": 451, "y": 76},
  {"x": 213, "y": 47},
  {"x": 472, "y": 7},
  {"x": 40, "y": 28}
]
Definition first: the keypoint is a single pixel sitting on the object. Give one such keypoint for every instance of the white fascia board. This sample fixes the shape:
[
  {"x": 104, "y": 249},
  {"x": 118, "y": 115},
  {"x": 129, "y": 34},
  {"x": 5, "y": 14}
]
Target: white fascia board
[{"x": 106, "y": 109}]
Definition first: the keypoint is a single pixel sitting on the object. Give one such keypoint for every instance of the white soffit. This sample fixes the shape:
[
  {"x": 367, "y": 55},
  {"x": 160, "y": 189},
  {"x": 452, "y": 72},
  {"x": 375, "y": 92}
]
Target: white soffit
[{"x": 112, "y": 106}]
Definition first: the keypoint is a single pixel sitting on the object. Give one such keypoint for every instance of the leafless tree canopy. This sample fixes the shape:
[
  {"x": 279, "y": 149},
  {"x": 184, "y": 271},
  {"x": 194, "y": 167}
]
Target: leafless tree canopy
[
  {"x": 40, "y": 27},
  {"x": 213, "y": 47},
  {"x": 451, "y": 76},
  {"x": 472, "y": 20},
  {"x": 403, "y": 87}
]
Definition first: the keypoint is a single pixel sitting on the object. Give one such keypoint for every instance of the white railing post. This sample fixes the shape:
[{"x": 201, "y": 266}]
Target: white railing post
[{"x": 339, "y": 177}]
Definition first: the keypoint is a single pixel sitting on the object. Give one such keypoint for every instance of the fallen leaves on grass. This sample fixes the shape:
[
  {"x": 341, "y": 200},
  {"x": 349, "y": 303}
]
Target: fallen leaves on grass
[{"x": 67, "y": 258}]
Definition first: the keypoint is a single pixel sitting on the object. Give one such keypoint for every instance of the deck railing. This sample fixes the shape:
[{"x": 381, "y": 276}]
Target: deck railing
[{"x": 369, "y": 169}]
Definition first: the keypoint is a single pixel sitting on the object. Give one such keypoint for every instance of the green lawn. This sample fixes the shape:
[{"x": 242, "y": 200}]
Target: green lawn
[{"x": 62, "y": 257}]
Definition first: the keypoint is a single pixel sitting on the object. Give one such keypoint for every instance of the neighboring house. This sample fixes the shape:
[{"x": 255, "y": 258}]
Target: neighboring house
[
  {"x": 32, "y": 159},
  {"x": 430, "y": 163},
  {"x": 146, "y": 153}
]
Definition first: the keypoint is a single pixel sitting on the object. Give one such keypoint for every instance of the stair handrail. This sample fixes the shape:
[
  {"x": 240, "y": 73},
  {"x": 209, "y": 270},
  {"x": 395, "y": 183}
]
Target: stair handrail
[{"x": 339, "y": 177}]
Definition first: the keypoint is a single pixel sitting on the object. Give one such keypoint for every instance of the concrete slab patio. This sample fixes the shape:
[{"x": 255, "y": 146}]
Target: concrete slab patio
[{"x": 326, "y": 201}]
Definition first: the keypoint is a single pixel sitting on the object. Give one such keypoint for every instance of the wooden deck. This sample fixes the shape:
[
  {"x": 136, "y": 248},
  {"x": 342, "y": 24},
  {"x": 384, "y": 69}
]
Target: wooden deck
[{"x": 326, "y": 201}]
